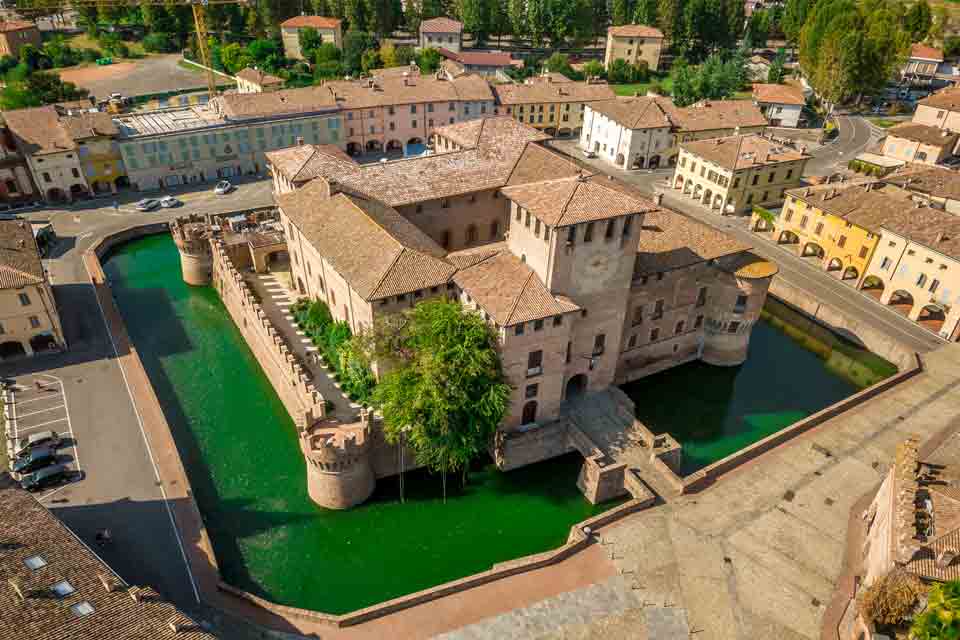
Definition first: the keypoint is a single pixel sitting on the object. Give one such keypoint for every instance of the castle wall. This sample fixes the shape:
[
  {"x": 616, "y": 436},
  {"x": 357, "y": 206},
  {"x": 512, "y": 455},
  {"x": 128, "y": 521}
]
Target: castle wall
[
  {"x": 480, "y": 209},
  {"x": 730, "y": 324}
]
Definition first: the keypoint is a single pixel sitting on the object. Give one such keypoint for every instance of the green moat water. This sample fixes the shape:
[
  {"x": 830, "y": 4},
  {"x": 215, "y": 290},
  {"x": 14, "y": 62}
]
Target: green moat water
[
  {"x": 794, "y": 368},
  {"x": 239, "y": 447},
  {"x": 240, "y": 450}
]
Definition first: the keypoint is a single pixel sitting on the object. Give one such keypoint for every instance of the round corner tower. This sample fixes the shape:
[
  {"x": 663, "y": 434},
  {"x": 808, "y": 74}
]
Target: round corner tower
[
  {"x": 737, "y": 297},
  {"x": 339, "y": 471},
  {"x": 192, "y": 237}
]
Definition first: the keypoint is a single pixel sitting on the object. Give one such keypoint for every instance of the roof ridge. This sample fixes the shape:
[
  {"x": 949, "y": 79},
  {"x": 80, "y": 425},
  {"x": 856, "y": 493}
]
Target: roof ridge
[
  {"x": 21, "y": 272},
  {"x": 563, "y": 210},
  {"x": 523, "y": 289},
  {"x": 387, "y": 271}
]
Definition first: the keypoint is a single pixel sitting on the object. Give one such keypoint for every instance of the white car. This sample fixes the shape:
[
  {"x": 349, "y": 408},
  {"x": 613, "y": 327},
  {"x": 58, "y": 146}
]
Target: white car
[
  {"x": 169, "y": 202},
  {"x": 147, "y": 204},
  {"x": 223, "y": 187}
]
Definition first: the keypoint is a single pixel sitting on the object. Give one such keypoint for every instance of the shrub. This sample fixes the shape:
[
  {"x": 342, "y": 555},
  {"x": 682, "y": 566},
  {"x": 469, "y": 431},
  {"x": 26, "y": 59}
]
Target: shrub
[
  {"x": 160, "y": 43},
  {"x": 890, "y": 599},
  {"x": 90, "y": 55}
]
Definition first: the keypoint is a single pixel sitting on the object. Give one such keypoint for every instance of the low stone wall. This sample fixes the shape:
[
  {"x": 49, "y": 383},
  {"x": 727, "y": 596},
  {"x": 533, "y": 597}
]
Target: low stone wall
[
  {"x": 286, "y": 373},
  {"x": 843, "y": 325},
  {"x": 520, "y": 448},
  {"x": 703, "y": 478},
  {"x": 577, "y": 540}
]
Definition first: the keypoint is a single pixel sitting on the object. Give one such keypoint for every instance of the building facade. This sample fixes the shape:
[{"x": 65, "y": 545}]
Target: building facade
[
  {"x": 329, "y": 30},
  {"x": 645, "y": 131},
  {"x": 251, "y": 80},
  {"x": 551, "y": 102},
  {"x": 921, "y": 66},
  {"x": 14, "y": 34},
  {"x": 441, "y": 32},
  {"x": 920, "y": 143},
  {"x": 941, "y": 110},
  {"x": 16, "y": 185},
  {"x": 586, "y": 284},
  {"x": 29, "y": 320},
  {"x": 732, "y": 175},
  {"x": 937, "y": 187},
  {"x": 634, "y": 43},
  {"x": 781, "y": 104}
]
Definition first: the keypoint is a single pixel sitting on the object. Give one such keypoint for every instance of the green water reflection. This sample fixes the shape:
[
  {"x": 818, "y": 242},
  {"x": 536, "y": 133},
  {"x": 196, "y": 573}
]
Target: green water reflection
[
  {"x": 794, "y": 368},
  {"x": 239, "y": 448}
]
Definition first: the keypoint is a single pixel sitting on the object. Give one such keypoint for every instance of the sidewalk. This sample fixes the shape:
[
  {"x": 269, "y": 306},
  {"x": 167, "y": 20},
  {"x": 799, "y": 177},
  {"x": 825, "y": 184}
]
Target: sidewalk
[{"x": 276, "y": 299}]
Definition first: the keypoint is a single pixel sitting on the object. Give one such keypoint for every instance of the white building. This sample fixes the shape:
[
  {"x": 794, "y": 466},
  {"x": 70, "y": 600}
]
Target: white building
[
  {"x": 781, "y": 104},
  {"x": 632, "y": 133}
]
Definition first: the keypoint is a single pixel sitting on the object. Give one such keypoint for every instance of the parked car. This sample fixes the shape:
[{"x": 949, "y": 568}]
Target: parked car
[
  {"x": 147, "y": 204},
  {"x": 46, "y": 477},
  {"x": 589, "y": 154},
  {"x": 223, "y": 187},
  {"x": 35, "y": 458},
  {"x": 48, "y": 437},
  {"x": 169, "y": 202}
]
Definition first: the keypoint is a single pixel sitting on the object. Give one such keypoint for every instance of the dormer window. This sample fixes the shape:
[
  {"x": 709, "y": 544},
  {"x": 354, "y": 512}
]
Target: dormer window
[{"x": 62, "y": 589}]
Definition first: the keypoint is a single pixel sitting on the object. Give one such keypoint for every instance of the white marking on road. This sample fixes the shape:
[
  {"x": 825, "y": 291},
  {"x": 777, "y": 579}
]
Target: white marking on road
[
  {"x": 37, "y": 399},
  {"x": 33, "y": 413},
  {"x": 66, "y": 410},
  {"x": 43, "y": 424},
  {"x": 146, "y": 442},
  {"x": 51, "y": 493}
]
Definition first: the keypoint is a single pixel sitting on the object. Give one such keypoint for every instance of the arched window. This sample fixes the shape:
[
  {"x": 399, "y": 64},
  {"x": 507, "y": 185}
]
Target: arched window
[
  {"x": 529, "y": 413},
  {"x": 472, "y": 235}
]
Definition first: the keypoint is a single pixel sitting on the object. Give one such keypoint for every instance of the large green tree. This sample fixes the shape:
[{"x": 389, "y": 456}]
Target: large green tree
[
  {"x": 941, "y": 619},
  {"x": 621, "y": 11},
  {"x": 645, "y": 12},
  {"x": 669, "y": 13},
  {"x": 918, "y": 20},
  {"x": 445, "y": 393}
]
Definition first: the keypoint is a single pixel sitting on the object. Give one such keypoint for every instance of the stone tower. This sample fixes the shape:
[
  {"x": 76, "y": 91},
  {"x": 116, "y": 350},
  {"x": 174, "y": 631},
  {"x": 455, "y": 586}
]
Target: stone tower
[
  {"x": 192, "y": 237},
  {"x": 736, "y": 299},
  {"x": 339, "y": 471}
]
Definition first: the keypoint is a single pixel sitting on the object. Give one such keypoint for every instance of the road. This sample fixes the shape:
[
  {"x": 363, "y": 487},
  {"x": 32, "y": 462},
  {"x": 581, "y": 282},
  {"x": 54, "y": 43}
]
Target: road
[
  {"x": 855, "y": 135},
  {"x": 118, "y": 488}
]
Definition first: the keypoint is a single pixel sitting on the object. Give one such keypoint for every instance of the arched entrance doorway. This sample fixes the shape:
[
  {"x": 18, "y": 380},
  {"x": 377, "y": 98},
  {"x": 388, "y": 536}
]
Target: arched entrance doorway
[
  {"x": 834, "y": 265},
  {"x": 56, "y": 195},
  {"x": 11, "y": 349},
  {"x": 901, "y": 302},
  {"x": 42, "y": 343},
  {"x": 850, "y": 273},
  {"x": 788, "y": 237},
  {"x": 654, "y": 162},
  {"x": 78, "y": 191},
  {"x": 529, "y": 413},
  {"x": 576, "y": 386},
  {"x": 873, "y": 287},
  {"x": 812, "y": 250},
  {"x": 394, "y": 145},
  {"x": 932, "y": 318},
  {"x": 353, "y": 148},
  {"x": 373, "y": 145},
  {"x": 278, "y": 260},
  {"x": 123, "y": 182}
]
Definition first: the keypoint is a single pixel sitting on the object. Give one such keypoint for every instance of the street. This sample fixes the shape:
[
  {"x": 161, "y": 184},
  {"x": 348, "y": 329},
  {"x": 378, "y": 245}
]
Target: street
[{"x": 85, "y": 397}]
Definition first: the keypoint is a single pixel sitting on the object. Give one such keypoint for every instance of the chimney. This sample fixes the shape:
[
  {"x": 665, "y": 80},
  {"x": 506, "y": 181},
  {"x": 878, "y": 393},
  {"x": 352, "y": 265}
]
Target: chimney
[
  {"x": 15, "y": 585},
  {"x": 107, "y": 583},
  {"x": 176, "y": 627},
  {"x": 940, "y": 237},
  {"x": 135, "y": 595}
]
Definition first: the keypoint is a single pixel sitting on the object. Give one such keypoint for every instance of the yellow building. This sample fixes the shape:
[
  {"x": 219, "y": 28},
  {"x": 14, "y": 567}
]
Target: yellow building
[
  {"x": 551, "y": 102},
  {"x": 836, "y": 225},
  {"x": 634, "y": 43}
]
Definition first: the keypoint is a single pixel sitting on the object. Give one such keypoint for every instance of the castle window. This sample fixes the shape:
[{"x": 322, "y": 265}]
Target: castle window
[
  {"x": 638, "y": 315},
  {"x": 626, "y": 226},
  {"x": 519, "y": 211},
  {"x": 538, "y": 325},
  {"x": 654, "y": 334},
  {"x": 611, "y": 227},
  {"x": 518, "y": 331},
  {"x": 702, "y": 297},
  {"x": 733, "y": 327},
  {"x": 698, "y": 322},
  {"x": 679, "y": 328},
  {"x": 531, "y": 391},
  {"x": 588, "y": 234},
  {"x": 632, "y": 342},
  {"x": 526, "y": 220},
  {"x": 567, "y": 357},
  {"x": 534, "y": 363},
  {"x": 658, "y": 310},
  {"x": 571, "y": 235},
  {"x": 557, "y": 321},
  {"x": 446, "y": 239},
  {"x": 599, "y": 344},
  {"x": 536, "y": 228}
]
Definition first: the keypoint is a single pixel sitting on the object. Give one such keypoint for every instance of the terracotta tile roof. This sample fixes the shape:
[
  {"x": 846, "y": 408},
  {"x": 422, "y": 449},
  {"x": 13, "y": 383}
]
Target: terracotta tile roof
[
  {"x": 574, "y": 200},
  {"x": 453, "y": 68},
  {"x": 38, "y": 130},
  {"x": 478, "y": 58},
  {"x": 868, "y": 204},
  {"x": 376, "y": 250},
  {"x": 464, "y": 133},
  {"x": 258, "y": 76},
  {"x": 305, "y": 162},
  {"x": 315, "y": 22},
  {"x": 537, "y": 163},
  {"x": 924, "y": 134},
  {"x": 86, "y": 125},
  {"x": 939, "y": 182},
  {"x": 708, "y": 115},
  {"x": 930, "y": 227},
  {"x": 16, "y": 25},
  {"x": 19, "y": 259},
  {"x": 284, "y": 102},
  {"x": 635, "y": 31},
  {"x": 29, "y": 530},
  {"x": 441, "y": 25},
  {"x": 926, "y": 52},
  {"x": 486, "y": 164},
  {"x": 948, "y": 99},
  {"x": 509, "y": 290},
  {"x": 551, "y": 91},
  {"x": 635, "y": 113},
  {"x": 392, "y": 87},
  {"x": 778, "y": 94},
  {"x": 742, "y": 152},
  {"x": 670, "y": 240}
]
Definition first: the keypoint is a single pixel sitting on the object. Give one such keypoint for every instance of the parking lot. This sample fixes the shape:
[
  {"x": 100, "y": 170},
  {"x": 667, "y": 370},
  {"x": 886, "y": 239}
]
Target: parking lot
[{"x": 38, "y": 403}]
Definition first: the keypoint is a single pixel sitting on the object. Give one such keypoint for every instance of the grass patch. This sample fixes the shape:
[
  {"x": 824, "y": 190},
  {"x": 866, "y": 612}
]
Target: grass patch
[
  {"x": 666, "y": 85},
  {"x": 84, "y": 41},
  {"x": 183, "y": 64},
  {"x": 883, "y": 122}
]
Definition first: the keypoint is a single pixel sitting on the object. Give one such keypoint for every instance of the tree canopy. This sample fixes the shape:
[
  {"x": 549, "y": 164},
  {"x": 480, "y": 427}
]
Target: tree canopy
[
  {"x": 941, "y": 619},
  {"x": 445, "y": 392}
]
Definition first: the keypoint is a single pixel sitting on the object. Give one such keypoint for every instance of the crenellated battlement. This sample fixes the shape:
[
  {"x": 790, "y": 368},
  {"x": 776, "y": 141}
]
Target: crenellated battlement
[{"x": 334, "y": 447}]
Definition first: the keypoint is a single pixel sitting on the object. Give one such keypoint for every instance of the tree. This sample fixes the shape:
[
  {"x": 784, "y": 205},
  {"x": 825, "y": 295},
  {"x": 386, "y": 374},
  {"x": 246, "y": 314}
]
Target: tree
[
  {"x": 646, "y": 12},
  {"x": 668, "y": 17},
  {"x": 758, "y": 28},
  {"x": 475, "y": 15},
  {"x": 356, "y": 14},
  {"x": 776, "y": 72},
  {"x": 388, "y": 55},
  {"x": 560, "y": 63},
  {"x": 941, "y": 619},
  {"x": 370, "y": 60},
  {"x": 34, "y": 58},
  {"x": 951, "y": 46},
  {"x": 309, "y": 39},
  {"x": 60, "y": 53},
  {"x": 404, "y": 55},
  {"x": 939, "y": 23},
  {"x": 36, "y": 89},
  {"x": 593, "y": 69},
  {"x": 794, "y": 17},
  {"x": 428, "y": 60},
  {"x": 327, "y": 62},
  {"x": 536, "y": 22},
  {"x": 917, "y": 20},
  {"x": 621, "y": 11},
  {"x": 157, "y": 42},
  {"x": 517, "y": 15},
  {"x": 235, "y": 57},
  {"x": 354, "y": 44},
  {"x": 380, "y": 16},
  {"x": 446, "y": 392}
]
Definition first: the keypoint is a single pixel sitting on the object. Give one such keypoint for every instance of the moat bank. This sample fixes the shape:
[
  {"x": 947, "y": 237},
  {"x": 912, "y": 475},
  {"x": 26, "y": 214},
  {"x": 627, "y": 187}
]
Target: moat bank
[
  {"x": 795, "y": 368},
  {"x": 240, "y": 450}
]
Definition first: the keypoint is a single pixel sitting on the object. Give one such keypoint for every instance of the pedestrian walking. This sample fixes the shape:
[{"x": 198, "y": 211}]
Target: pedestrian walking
[{"x": 116, "y": 205}]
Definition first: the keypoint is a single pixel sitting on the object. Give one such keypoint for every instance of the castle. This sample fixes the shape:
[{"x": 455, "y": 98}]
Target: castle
[{"x": 587, "y": 284}]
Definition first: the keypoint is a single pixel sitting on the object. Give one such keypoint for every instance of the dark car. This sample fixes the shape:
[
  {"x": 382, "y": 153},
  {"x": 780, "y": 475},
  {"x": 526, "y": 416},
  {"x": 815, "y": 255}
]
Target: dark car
[
  {"x": 35, "y": 458},
  {"x": 46, "y": 477}
]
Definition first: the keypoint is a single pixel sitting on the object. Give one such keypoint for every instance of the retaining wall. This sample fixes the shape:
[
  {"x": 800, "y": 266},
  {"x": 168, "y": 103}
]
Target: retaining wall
[{"x": 843, "y": 325}]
